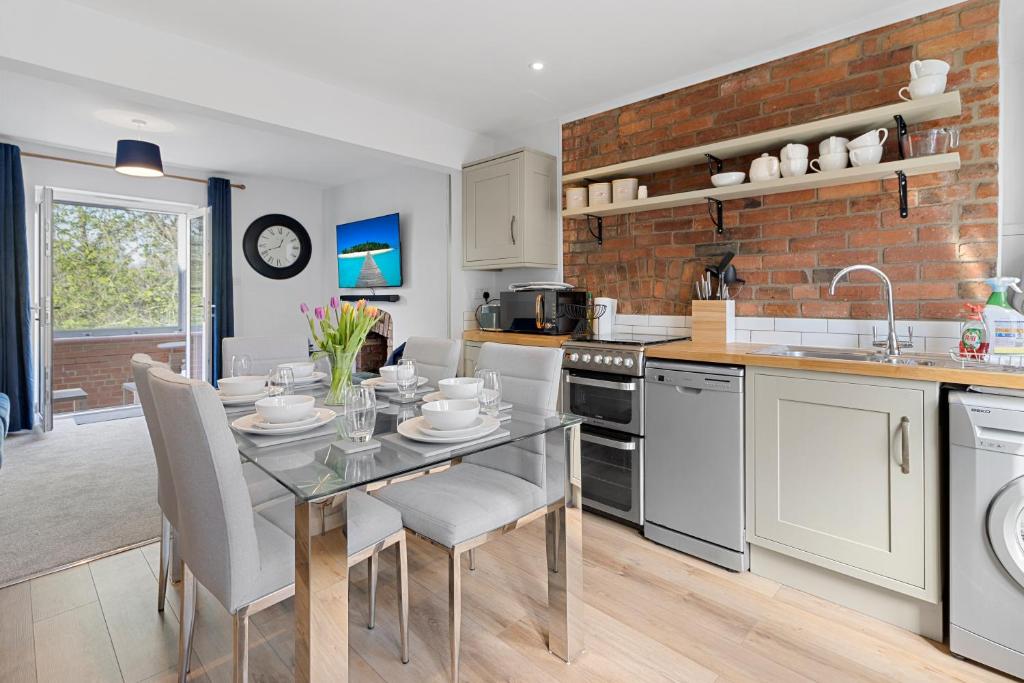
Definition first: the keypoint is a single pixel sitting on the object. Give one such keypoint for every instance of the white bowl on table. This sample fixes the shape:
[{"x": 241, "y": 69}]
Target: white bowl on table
[
  {"x": 300, "y": 369},
  {"x": 389, "y": 373},
  {"x": 285, "y": 408},
  {"x": 243, "y": 385},
  {"x": 460, "y": 387},
  {"x": 451, "y": 413}
]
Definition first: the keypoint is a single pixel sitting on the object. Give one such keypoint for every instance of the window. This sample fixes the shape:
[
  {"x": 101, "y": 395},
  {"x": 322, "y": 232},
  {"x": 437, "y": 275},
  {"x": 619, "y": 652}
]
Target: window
[{"x": 116, "y": 270}]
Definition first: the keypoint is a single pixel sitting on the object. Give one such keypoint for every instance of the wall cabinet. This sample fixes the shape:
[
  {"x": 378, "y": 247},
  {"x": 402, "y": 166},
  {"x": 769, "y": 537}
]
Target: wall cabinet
[
  {"x": 510, "y": 212},
  {"x": 843, "y": 472}
]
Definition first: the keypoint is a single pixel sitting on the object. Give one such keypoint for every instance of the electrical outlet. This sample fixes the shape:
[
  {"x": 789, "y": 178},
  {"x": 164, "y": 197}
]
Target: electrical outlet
[{"x": 480, "y": 294}]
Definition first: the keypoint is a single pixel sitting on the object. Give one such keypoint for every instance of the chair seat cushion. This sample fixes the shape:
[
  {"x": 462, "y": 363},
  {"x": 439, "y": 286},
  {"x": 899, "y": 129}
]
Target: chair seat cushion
[
  {"x": 369, "y": 520},
  {"x": 462, "y": 502}
]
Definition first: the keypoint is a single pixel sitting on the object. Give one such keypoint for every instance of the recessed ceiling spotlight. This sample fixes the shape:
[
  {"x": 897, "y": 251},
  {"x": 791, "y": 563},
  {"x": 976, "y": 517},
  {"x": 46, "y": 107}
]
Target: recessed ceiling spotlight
[{"x": 537, "y": 66}]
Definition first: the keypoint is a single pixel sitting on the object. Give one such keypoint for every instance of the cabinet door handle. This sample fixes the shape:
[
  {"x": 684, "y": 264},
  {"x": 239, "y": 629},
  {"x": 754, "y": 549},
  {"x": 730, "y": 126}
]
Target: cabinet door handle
[
  {"x": 905, "y": 444},
  {"x": 512, "y": 229}
]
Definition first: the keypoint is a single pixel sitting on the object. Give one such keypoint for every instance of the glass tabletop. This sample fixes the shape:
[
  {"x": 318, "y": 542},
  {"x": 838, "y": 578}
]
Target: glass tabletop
[{"x": 318, "y": 467}]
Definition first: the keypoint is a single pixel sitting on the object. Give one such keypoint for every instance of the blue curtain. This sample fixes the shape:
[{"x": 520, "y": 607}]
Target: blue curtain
[
  {"x": 218, "y": 195},
  {"x": 15, "y": 315}
]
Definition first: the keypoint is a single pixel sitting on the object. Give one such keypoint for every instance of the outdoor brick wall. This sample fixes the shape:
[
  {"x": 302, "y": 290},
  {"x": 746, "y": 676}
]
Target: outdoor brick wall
[
  {"x": 100, "y": 365},
  {"x": 789, "y": 246}
]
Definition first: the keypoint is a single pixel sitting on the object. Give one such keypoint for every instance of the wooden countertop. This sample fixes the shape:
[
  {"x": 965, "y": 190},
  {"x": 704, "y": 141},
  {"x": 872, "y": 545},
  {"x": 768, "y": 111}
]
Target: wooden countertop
[
  {"x": 518, "y": 338},
  {"x": 945, "y": 369}
]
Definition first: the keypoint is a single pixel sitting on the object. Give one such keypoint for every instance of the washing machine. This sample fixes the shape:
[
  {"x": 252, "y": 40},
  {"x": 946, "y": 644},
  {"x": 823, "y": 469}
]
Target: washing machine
[{"x": 986, "y": 529}]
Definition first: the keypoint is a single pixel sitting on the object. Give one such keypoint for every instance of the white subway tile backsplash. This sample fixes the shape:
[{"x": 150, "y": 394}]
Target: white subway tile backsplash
[
  {"x": 743, "y": 336},
  {"x": 669, "y": 320},
  {"x": 752, "y": 323},
  {"x": 842, "y": 326},
  {"x": 773, "y": 337},
  {"x": 830, "y": 339},
  {"x": 622, "y": 329},
  {"x": 679, "y": 331},
  {"x": 801, "y": 325},
  {"x": 931, "y": 328},
  {"x": 630, "y": 319},
  {"x": 648, "y": 329},
  {"x": 940, "y": 344}
]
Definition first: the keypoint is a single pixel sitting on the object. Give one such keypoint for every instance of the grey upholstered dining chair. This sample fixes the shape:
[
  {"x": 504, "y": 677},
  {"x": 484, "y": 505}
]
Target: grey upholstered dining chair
[
  {"x": 490, "y": 493},
  {"x": 241, "y": 556},
  {"x": 262, "y": 489},
  {"x": 436, "y": 358},
  {"x": 266, "y": 352}
]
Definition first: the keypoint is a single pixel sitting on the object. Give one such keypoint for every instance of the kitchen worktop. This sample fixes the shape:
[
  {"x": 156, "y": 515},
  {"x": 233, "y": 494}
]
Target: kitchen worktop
[
  {"x": 944, "y": 370},
  {"x": 517, "y": 338}
]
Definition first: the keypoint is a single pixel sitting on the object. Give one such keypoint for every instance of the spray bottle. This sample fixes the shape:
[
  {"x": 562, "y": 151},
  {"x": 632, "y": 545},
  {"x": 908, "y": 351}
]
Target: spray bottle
[{"x": 1004, "y": 324}]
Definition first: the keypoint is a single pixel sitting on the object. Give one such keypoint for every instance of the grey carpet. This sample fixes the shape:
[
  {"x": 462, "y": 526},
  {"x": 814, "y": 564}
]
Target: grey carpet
[{"x": 77, "y": 492}]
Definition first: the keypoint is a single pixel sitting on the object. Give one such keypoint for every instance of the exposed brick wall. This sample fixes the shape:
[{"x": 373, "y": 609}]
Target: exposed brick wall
[
  {"x": 788, "y": 246},
  {"x": 100, "y": 365}
]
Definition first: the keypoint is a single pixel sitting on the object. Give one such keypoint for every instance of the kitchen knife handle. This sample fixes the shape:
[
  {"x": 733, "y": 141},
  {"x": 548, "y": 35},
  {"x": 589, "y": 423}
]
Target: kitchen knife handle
[{"x": 905, "y": 444}]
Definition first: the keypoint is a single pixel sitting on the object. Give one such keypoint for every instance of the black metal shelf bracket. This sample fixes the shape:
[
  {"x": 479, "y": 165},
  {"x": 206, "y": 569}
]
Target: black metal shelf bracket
[
  {"x": 901, "y": 179},
  {"x": 599, "y": 235},
  {"x": 714, "y": 164},
  {"x": 901, "y": 132},
  {"x": 716, "y": 217}
]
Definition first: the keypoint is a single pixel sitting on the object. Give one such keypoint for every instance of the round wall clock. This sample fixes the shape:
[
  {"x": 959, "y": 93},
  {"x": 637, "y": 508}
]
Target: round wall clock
[{"x": 277, "y": 246}]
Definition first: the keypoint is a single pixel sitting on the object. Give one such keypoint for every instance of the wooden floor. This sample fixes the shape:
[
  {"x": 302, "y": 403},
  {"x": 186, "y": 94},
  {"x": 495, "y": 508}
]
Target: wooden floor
[{"x": 652, "y": 615}]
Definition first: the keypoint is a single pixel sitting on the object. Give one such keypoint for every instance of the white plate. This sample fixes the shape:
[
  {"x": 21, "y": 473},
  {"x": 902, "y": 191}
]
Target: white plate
[
  {"x": 412, "y": 429},
  {"x": 278, "y": 426},
  {"x": 239, "y": 400},
  {"x": 317, "y": 376},
  {"x": 246, "y": 424},
  {"x": 441, "y": 433},
  {"x": 380, "y": 384}
]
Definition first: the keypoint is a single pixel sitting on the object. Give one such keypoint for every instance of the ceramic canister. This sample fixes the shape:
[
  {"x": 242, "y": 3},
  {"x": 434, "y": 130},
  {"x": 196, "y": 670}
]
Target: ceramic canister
[
  {"x": 575, "y": 197},
  {"x": 599, "y": 193}
]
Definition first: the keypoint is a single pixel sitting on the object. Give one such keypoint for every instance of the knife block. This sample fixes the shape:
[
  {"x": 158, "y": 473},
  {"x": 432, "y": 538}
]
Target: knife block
[{"x": 714, "y": 322}]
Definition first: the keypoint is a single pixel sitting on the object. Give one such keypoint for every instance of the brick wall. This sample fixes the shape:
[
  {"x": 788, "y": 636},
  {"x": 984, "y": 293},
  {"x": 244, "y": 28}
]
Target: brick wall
[
  {"x": 788, "y": 246},
  {"x": 100, "y": 365}
]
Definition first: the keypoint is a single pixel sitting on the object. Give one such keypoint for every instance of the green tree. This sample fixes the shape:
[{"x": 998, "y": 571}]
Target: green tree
[{"x": 114, "y": 268}]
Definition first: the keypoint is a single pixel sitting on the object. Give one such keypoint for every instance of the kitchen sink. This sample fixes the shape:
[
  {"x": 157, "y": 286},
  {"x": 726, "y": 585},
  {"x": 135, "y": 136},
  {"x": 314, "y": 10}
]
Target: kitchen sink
[{"x": 861, "y": 355}]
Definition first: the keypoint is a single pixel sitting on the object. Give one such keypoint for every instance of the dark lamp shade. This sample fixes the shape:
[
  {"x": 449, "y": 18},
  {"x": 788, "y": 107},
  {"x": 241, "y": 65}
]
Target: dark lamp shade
[{"x": 138, "y": 158}]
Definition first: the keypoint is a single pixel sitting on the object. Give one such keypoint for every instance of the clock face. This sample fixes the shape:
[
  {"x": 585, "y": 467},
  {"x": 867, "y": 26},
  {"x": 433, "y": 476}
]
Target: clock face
[{"x": 279, "y": 246}]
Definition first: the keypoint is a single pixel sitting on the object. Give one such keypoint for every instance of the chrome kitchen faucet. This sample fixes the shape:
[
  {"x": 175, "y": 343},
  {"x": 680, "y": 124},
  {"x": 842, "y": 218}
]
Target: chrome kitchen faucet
[{"x": 892, "y": 345}]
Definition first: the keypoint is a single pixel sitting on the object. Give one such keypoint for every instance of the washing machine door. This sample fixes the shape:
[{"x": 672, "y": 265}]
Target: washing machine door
[{"x": 1006, "y": 528}]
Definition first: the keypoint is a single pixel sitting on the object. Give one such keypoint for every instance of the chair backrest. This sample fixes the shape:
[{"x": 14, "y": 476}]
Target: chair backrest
[
  {"x": 530, "y": 375},
  {"x": 218, "y": 535},
  {"x": 165, "y": 495},
  {"x": 436, "y": 358},
  {"x": 266, "y": 352}
]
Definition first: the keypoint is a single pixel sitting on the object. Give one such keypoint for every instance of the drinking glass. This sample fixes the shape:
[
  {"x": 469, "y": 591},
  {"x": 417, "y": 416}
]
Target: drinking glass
[
  {"x": 241, "y": 364},
  {"x": 282, "y": 381},
  {"x": 406, "y": 378},
  {"x": 490, "y": 391},
  {"x": 360, "y": 414}
]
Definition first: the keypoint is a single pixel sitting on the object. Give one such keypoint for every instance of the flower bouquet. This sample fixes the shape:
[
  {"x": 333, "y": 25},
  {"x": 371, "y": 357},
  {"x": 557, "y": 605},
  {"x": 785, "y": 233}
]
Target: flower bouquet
[{"x": 338, "y": 333}]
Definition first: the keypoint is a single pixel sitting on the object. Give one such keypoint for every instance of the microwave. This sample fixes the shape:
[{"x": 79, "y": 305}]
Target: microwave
[{"x": 541, "y": 311}]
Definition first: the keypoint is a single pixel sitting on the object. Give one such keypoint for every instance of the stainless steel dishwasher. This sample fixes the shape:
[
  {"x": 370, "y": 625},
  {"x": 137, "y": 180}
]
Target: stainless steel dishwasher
[{"x": 693, "y": 476}]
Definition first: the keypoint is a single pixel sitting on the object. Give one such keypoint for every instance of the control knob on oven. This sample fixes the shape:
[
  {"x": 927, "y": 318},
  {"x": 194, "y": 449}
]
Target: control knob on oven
[
  {"x": 607, "y": 360},
  {"x": 586, "y": 358},
  {"x": 598, "y": 358},
  {"x": 618, "y": 360},
  {"x": 628, "y": 362},
  {"x": 574, "y": 356}
]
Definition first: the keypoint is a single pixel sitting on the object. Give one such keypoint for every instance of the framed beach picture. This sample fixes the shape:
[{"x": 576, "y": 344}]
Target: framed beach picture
[{"x": 370, "y": 253}]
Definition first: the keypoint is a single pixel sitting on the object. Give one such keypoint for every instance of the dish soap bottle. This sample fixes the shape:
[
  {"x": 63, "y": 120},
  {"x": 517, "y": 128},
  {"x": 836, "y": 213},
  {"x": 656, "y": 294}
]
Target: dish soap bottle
[
  {"x": 974, "y": 336},
  {"x": 1004, "y": 324}
]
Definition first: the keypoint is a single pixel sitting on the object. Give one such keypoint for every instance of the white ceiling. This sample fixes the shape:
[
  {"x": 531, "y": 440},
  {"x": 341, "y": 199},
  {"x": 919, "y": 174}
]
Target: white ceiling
[
  {"x": 91, "y": 117},
  {"x": 466, "y": 62}
]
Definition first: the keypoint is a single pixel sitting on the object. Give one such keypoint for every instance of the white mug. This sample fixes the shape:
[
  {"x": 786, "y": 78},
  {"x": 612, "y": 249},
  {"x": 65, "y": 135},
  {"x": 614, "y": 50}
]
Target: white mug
[
  {"x": 832, "y": 145},
  {"x": 925, "y": 86},
  {"x": 830, "y": 162},
  {"x": 870, "y": 139},
  {"x": 793, "y": 167},
  {"x": 641, "y": 192},
  {"x": 928, "y": 67},
  {"x": 866, "y": 156},
  {"x": 793, "y": 151}
]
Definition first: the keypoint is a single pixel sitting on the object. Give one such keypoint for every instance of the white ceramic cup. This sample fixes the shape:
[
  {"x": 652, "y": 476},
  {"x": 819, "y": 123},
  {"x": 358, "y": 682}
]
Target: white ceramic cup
[
  {"x": 641, "y": 192},
  {"x": 830, "y": 162},
  {"x": 928, "y": 67},
  {"x": 624, "y": 189},
  {"x": 872, "y": 138},
  {"x": 599, "y": 193},
  {"x": 925, "y": 86},
  {"x": 793, "y": 167},
  {"x": 866, "y": 156},
  {"x": 793, "y": 150},
  {"x": 832, "y": 145},
  {"x": 576, "y": 198}
]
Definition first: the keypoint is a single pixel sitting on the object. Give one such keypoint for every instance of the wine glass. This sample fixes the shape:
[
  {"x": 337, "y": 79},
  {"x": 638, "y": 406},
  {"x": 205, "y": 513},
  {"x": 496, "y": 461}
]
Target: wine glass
[
  {"x": 241, "y": 364},
  {"x": 406, "y": 378},
  {"x": 360, "y": 415},
  {"x": 490, "y": 391},
  {"x": 282, "y": 381}
]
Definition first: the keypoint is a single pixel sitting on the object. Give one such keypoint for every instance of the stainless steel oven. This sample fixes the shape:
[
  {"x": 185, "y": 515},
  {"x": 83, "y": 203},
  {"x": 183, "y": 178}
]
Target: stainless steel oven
[
  {"x": 605, "y": 400},
  {"x": 613, "y": 471}
]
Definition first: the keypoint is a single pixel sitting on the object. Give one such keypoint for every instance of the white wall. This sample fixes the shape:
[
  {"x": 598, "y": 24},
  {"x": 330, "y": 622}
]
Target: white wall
[
  {"x": 421, "y": 199},
  {"x": 1011, "y": 137}
]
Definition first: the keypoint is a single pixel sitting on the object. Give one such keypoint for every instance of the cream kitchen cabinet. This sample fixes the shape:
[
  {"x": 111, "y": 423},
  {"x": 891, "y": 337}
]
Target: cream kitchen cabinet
[
  {"x": 510, "y": 212},
  {"x": 843, "y": 473},
  {"x": 470, "y": 353}
]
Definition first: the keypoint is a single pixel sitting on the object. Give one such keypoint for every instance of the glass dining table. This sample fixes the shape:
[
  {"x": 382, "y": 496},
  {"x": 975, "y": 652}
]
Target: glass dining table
[{"x": 320, "y": 471}]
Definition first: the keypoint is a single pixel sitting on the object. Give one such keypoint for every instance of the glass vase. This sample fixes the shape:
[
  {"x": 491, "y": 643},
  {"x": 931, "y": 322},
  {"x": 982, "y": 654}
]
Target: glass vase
[{"x": 342, "y": 363}]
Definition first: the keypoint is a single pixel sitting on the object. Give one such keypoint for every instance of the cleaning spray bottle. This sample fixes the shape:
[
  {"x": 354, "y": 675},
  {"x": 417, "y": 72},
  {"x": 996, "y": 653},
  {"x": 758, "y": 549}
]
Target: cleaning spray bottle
[
  {"x": 974, "y": 336},
  {"x": 1004, "y": 324}
]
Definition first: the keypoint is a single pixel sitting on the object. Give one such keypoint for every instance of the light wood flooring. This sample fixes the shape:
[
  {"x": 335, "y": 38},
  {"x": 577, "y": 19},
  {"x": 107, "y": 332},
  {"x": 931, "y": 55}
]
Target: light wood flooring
[{"x": 652, "y": 615}]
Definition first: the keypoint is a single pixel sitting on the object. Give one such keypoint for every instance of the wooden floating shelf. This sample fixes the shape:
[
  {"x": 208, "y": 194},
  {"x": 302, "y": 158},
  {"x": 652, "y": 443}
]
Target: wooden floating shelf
[
  {"x": 915, "y": 111},
  {"x": 846, "y": 176}
]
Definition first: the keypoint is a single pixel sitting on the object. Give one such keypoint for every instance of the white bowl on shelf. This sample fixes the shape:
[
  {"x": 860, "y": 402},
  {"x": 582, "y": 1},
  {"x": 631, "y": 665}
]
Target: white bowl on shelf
[
  {"x": 450, "y": 414},
  {"x": 285, "y": 408},
  {"x": 460, "y": 387},
  {"x": 727, "y": 179},
  {"x": 300, "y": 369},
  {"x": 243, "y": 385}
]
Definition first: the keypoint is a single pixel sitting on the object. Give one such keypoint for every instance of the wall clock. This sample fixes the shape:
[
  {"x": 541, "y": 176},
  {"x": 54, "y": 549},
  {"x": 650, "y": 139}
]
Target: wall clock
[{"x": 277, "y": 246}]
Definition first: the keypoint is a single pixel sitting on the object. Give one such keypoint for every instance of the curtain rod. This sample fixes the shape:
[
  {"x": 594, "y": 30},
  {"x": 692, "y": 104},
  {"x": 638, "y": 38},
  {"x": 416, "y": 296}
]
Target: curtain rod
[{"x": 66, "y": 160}]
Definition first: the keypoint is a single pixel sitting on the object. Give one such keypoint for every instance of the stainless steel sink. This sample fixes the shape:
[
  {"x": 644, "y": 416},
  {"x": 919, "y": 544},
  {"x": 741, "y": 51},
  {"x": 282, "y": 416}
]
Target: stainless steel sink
[{"x": 864, "y": 356}]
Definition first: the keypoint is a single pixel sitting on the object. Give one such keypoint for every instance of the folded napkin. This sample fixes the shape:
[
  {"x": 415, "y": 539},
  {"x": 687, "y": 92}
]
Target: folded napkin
[
  {"x": 429, "y": 450},
  {"x": 261, "y": 441}
]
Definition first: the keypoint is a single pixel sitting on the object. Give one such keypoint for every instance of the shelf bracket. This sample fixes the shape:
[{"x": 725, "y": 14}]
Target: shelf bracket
[
  {"x": 714, "y": 164},
  {"x": 599, "y": 235},
  {"x": 901, "y": 178},
  {"x": 716, "y": 217},
  {"x": 901, "y": 132}
]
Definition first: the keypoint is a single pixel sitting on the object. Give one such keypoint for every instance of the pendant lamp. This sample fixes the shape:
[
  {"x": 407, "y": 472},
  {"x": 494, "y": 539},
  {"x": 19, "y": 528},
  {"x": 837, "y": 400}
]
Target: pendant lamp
[{"x": 138, "y": 157}]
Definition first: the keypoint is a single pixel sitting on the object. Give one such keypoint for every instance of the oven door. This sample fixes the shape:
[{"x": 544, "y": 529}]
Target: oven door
[
  {"x": 610, "y": 401},
  {"x": 613, "y": 473}
]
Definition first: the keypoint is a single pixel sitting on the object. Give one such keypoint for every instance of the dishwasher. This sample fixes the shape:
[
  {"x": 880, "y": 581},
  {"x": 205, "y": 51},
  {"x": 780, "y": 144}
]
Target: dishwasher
[{"x": 694, "y": 468}]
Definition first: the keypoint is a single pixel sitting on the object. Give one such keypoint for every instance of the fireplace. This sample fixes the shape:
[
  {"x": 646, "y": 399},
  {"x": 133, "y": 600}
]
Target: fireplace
[{"x": 378, "y": 346}]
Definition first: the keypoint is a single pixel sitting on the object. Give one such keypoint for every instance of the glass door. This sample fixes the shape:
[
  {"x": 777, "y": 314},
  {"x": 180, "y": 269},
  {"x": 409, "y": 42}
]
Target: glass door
[
  {"x": 42, "y": 309},
  {"x": 199, "y": 327}
]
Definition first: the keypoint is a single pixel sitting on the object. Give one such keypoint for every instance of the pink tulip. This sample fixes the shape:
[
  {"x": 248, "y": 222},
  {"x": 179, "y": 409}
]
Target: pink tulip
[
  {"x": 361, "y": 305},
  {"x": 334, "y": 302},
  {"x": 372, "y": 311},
  {"x": 319, "y": 313},
  {"x": 303, "y": 309}
]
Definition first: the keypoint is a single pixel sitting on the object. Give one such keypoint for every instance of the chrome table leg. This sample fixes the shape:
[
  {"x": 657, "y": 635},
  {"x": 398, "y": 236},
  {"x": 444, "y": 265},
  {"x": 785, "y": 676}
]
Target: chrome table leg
[{"x": 565, "y": 580}]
